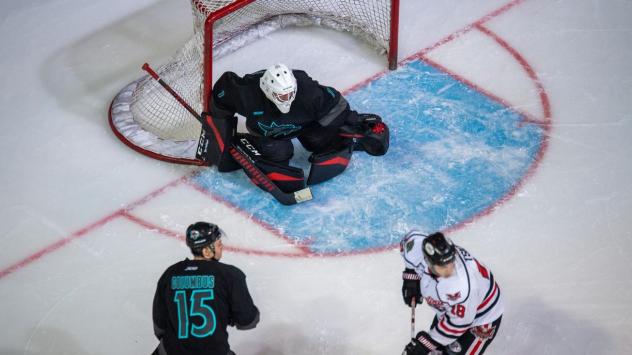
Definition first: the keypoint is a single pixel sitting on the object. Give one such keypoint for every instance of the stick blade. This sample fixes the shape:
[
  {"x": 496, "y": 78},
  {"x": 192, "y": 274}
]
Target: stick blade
[{"x": 303, "y": 195}]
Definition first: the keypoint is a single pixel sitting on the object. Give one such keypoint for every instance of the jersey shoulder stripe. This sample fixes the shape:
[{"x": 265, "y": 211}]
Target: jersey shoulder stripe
[
  {"x": 495, "y": 297},
  {"x": 491, "y": 293}
]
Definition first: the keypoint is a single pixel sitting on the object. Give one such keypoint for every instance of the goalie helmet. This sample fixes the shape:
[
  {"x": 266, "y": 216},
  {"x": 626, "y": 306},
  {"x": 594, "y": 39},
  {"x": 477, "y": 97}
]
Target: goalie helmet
[
  {"x": 202, "y": 234},
  {"x": 279, "y": 85},
  {"x": 438, "y": 250}
]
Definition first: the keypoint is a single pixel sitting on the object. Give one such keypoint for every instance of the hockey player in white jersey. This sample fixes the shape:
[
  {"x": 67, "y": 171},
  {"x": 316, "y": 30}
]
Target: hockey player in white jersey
[{"x": 460, "y": 289}]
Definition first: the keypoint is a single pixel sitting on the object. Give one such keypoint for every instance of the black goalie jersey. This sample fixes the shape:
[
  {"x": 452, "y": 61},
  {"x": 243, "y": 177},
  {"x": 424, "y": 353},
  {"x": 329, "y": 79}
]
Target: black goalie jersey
[
  {"x": 315, "y": 105},
  {"x": 194, "y": 303}
]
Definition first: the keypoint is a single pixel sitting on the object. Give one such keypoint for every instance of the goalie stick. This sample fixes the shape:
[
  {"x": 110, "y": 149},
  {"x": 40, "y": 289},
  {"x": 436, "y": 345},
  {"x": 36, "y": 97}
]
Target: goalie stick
[{"x": 239, "y": 155}]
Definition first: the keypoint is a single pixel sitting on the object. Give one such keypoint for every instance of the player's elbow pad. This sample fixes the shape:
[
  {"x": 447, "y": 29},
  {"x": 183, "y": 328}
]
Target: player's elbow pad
[
  {"x": 337, "y": 114},
  {"x": 158, "y": 331},
  {"x": 250, "y": 325}
]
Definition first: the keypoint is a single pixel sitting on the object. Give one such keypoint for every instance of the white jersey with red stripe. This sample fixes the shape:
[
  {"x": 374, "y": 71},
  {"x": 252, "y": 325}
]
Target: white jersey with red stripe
[{"x": 468, "y": 298}]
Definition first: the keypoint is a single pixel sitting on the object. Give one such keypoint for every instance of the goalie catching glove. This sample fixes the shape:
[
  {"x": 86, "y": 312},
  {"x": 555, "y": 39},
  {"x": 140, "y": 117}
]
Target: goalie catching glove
[{"x": 372, "y": 135}]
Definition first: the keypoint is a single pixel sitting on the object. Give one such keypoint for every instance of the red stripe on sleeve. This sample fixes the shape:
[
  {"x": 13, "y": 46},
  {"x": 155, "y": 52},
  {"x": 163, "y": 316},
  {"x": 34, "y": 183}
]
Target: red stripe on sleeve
[
  {"x": 444, "y": 327},
  {"x": 490, "y": 298}
]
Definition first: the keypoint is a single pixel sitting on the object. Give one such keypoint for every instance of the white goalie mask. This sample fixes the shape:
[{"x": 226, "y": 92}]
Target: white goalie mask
[{"x": 279, "y": 85}]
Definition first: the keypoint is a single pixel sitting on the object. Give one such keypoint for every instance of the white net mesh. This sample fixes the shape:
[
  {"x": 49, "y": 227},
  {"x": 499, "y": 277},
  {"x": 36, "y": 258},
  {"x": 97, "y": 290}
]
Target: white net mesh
[{"x": 159, "y": 113}]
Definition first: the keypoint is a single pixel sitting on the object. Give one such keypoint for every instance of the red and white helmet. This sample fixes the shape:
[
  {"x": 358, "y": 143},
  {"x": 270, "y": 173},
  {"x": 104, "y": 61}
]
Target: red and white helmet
[{"x": 279, "y": 85}]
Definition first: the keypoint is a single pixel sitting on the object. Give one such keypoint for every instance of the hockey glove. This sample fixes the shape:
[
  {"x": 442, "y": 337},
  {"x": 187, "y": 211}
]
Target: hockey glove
[
  {"x": 410, "y": 287},
  {"x": 371, "y": 133},
  {"x": 423, "y": 344},
  {"x": 358, "y": 125},
  {"x": 366, "y": 121}
]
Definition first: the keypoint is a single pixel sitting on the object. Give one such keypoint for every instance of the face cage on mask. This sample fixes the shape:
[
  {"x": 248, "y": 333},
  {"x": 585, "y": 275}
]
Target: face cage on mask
[{"x": 285, "y": 97}]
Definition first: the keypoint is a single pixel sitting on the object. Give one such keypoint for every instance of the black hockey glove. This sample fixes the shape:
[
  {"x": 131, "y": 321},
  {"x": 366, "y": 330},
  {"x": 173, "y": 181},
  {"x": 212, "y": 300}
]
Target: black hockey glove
[
  {"x": 372, "y": 135},
  {"x": 423, "y": 344},
  {"x": 410, "y": 287},
  {"x": 361, "y": 123},
  {"x": 366, "y": 121}
]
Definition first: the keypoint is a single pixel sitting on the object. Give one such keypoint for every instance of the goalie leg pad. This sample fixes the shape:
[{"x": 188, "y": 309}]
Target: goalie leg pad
[
  {"x": 278, "y": 151},
  {"x": 328, "y": 165},
  {"x": 287, "y": 178}
]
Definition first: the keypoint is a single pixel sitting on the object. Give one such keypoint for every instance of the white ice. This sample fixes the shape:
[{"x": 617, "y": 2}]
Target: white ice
[{"x": 78, "y": 276}]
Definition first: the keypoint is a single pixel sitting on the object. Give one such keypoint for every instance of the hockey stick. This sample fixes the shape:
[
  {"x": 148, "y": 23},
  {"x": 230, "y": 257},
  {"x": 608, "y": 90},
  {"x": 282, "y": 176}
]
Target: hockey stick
[
  {"x": 239, "y": 155},
  {"x": 412, "y": 318}
]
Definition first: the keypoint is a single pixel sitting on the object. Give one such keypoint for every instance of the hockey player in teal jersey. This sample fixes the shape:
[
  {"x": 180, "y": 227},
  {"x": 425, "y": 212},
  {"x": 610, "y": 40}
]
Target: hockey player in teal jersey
[{"x": 197, "y": 299}]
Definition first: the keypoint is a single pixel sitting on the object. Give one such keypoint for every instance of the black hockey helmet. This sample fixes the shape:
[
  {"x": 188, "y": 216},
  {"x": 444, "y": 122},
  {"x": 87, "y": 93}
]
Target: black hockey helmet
[
  {"x": 438, "y": 250},
  {"x": 202, "y": 234}
]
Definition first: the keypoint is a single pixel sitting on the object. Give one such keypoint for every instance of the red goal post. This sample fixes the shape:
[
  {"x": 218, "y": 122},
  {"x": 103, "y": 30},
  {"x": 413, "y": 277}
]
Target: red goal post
[{"x": 150, "y": 121}]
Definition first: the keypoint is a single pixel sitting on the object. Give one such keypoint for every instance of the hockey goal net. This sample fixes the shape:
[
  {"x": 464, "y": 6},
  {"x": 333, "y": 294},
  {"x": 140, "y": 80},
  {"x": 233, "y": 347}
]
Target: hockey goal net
[{"x": 145, "y": 117}]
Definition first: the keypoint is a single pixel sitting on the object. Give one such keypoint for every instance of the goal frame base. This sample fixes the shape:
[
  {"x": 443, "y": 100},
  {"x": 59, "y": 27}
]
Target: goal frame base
[{"x": 129, "y": 132}]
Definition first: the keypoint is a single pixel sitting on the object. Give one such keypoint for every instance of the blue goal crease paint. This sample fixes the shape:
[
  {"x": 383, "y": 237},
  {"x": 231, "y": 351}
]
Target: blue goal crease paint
[{"x": 454, "y": 153}]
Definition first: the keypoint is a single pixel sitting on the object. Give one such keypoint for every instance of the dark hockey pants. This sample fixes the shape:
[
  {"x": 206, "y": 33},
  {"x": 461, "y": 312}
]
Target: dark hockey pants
[{"x": 316, "y": 140}]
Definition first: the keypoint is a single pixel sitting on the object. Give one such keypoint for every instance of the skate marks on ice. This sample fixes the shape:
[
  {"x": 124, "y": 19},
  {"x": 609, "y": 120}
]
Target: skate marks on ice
[{"x": 455, "y": 153}]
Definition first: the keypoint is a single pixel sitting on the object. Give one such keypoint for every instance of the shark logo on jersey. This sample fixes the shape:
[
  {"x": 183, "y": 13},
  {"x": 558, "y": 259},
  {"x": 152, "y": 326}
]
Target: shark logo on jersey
[{"x": 277, "y": 130}]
